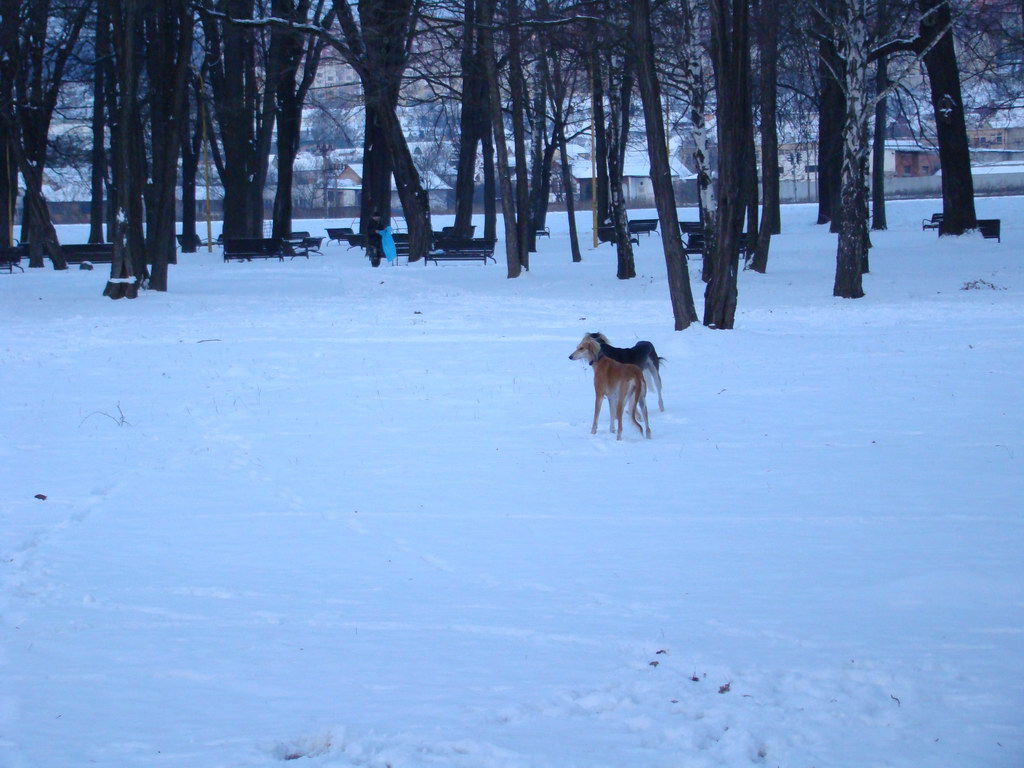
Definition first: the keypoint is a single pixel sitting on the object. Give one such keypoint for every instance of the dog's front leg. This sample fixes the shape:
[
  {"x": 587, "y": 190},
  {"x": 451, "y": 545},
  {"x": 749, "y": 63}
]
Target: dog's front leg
[{"x": 597, "y": 412}]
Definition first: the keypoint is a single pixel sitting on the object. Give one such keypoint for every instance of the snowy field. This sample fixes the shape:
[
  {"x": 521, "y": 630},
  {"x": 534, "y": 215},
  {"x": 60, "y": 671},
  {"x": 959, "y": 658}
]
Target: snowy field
[{"x": 345, "y": 516}]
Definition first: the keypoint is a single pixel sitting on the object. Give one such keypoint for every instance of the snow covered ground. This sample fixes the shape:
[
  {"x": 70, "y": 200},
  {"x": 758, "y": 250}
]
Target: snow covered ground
[{"x": 320, "y": 512}]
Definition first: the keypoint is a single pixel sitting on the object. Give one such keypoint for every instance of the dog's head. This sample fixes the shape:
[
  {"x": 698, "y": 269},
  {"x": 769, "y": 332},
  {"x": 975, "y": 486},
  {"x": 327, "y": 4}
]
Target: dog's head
[
  {"x": 600, "y": 337},
  {"x": 589, "y": 349}
]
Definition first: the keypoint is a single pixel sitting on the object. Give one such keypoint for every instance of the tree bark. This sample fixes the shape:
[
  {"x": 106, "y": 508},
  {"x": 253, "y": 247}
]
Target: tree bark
[
  {"x": 831, "y": 109},
  {"x": 615, "y": 139},
  {"x": 99, "y": 160},
  {"x": 169, "y": 26},
  {"x": 601, "y": 195},
  {"x": 243, "y": 101},
  {"x": 680, "y": 294},
  {"x": 124, "y": 267},
  {"x": 508, "y": 200},
  {"x": 517, "y": 91},
  {"x": 878, "y": 221},
  {"x": 472, "y": 107},
  {"x": 852, "y": 48},
  {"x": 958, "y": 214},
  {"x": 191, "y": 146},
  {"x": 768, "y": 46},
  {"x": 289, "y": 50},
  {"x": 730, "y": 54}
]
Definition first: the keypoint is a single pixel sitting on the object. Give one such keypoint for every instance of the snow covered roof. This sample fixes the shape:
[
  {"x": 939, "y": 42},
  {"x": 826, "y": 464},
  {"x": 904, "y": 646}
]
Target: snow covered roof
[{"x": 1011, "y": 166}]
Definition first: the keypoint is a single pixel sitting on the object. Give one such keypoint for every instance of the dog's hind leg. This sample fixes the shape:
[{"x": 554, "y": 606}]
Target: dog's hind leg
[
  {"x": 619, "y": 407},
  {"x": 614, "y": 410}
]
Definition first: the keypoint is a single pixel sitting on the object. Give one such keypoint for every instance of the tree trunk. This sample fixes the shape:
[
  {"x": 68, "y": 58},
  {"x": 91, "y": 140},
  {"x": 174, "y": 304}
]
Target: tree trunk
[
  {"x": 191, "y": 146},
  {"x": 169, "y": 26},
  {"x": 290, "y": 50},
  {"x": 512, "y": 259},
  {"x": 375, "y": 210},
  {"x": 852, "y": 246},
  {"x": 243, "y": 100},
  {"x": 831, "y": 109},
  {"x": 34, "y": 51},
  {"x": 730, "y": 54},
  {"x": 124, "y": 18},
  {"x": 517, "y": 89},
  {"x": 287, "y": 48},
  {"x": 958, "y": 213},
  {"x": 768, "y": 45},
  {"x": 878, "y": 221},
  {"x": 490, "y": 192},
  {"x": 680, "y": 294},
  {"x": 8, "y": 189},
  {"x": 542, "y": 153},
  {"x": 567, "y": 184},
  {"x": 600, "y": 195},
  {"x": 415, "y": 202},
  {"x": 101, "y": 72},
  {"x": 615, "y": 140},
  {"x": 472, "y": 108}
]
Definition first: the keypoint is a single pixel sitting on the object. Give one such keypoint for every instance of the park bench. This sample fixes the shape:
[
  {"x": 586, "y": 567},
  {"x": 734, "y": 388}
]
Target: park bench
[
  {"x": 195, "y": 241},
  {"x": 96, "y": 253},
  {"x": 647, "y": 226},
  {"x": 401, "y": 244},
  {"x": 302, "y": 243},
  {"x": 543, "y": 232},
  {"x": 450, "y": 232},
  {"x": 606, "y": 234},
  {"x": 249, "y": 248},
  {"x": 689, "y": 227},
  {"x": 462, "y": 249},
  {"x": 346, "y": 235},
  {"x": 989, "y": 229},
  {"x": 10, "y": 257},
  {"x": 696, "y": 243},
  {"x": 338, "y": 233},
  {"x": 933, "y": 223}
]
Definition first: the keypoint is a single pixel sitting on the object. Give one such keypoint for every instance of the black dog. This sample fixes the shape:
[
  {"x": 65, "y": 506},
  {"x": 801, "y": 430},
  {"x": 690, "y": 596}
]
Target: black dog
[{"x": 641, "y": 354}]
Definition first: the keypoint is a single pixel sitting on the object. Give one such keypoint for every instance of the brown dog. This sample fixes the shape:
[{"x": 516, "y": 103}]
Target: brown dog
[{"x": 621, "y": 383}]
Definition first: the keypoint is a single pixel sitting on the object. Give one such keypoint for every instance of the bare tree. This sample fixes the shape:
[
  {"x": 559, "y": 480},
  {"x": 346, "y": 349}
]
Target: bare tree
[
  {"x": 768, "y": 21},
  {"x": 167, "y": 35},
  {"x": 38, "y": 38},
  {"x": 731, "y": 56},
  {"x": 290, "y": 50},
  {"x": 935, "y": 43},
  {"x": 683, "y": 311},
  {"x": 376, "y": 46},
  {"x": 513, "y": 241},
  {"x": 242, "y": 109}
]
